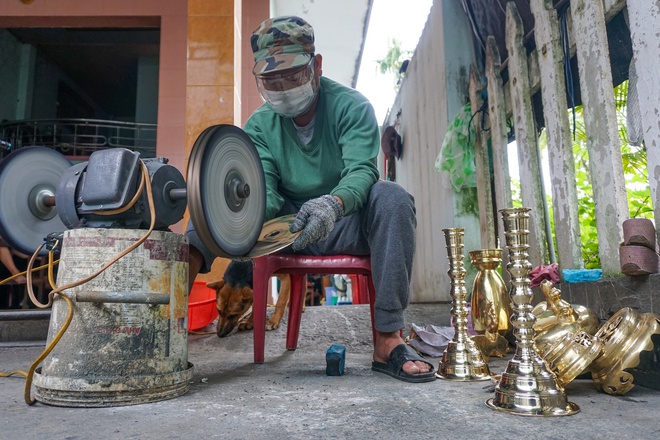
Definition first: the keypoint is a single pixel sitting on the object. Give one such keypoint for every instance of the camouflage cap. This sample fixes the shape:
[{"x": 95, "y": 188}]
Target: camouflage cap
[{"x": 282, "y": 43}]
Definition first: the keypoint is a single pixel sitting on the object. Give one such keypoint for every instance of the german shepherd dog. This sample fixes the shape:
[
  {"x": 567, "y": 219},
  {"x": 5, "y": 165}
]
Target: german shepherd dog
[{"x": 234, "y": 298}]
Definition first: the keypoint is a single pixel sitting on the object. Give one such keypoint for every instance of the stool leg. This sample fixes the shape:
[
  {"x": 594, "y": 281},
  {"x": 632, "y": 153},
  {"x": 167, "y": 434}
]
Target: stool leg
[
  {"x": 295, "y": 310},
  {"x": 260, "y": 279},
  {"x": 363, "y": 287}
]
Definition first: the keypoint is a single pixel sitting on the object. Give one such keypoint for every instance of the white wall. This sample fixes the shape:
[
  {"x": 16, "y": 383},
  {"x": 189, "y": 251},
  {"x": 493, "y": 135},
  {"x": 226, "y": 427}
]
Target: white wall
[
  {"x": 434, "y": 89},
  {"x": 339, "y": 32}
]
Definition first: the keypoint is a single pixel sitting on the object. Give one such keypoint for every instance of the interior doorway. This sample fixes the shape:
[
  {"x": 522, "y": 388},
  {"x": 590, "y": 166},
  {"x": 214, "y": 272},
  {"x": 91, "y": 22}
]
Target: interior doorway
[{"x": 78, "y": 89}]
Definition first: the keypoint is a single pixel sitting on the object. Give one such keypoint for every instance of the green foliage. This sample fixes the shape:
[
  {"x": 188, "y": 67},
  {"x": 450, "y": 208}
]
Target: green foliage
[
  {"x": 586, "y": 208},
  {"x": 393, "y": 60},
  {"x": 516, "y": 194}
]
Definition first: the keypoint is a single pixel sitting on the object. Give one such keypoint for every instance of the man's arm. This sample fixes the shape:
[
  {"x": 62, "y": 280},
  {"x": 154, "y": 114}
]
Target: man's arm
[
  {"x": 261, "y": 140},
  {"x": 359, "y": 140},
  {"x": 8, "y": 261}
]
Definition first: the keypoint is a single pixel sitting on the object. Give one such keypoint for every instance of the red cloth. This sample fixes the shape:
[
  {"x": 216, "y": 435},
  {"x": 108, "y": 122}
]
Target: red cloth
[{"x": 540, "y": 273}]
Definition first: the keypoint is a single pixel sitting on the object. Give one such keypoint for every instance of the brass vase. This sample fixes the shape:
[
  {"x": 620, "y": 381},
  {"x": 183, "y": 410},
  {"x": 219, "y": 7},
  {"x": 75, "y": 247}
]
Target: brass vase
[
  {"x": 527, "y": 387},
  {"x": 491, "y": 306},
  {"x": 461, "y": 360}
]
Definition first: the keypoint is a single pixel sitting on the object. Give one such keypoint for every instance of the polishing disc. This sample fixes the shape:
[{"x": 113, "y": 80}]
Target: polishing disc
[
  {"x": 28, "y": 180},
  {"x": 226, "y": 191}
]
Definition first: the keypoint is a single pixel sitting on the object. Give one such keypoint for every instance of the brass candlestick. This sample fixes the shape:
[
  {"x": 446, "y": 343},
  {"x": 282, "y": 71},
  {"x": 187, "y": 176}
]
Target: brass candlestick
[
  {"x": 461, "y": 360},
  {"x": 527, "y": 387}
]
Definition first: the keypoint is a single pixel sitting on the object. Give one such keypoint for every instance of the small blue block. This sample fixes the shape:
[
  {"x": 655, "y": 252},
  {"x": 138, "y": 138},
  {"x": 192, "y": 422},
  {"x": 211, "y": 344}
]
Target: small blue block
[
  {"x": 581, "y": 275},
  {"x": 335, "y": 358}
]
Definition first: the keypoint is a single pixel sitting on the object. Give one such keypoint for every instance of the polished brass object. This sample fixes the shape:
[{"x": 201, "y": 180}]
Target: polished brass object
[
  {"x": 556, "y": 318},
  {"x": 527, "y": 387},
  {"x": 274, "y": 236},
  {"x": 571, "y": 354},
  {"x": 491, "y": 306},
  {"x": 461, "y": 360},
  {"x": 491, "y": 345},
  {"x": 624, "y": 336}
]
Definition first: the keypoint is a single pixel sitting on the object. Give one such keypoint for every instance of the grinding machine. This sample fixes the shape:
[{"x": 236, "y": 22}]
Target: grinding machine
[{"x": 118, "y": 327}]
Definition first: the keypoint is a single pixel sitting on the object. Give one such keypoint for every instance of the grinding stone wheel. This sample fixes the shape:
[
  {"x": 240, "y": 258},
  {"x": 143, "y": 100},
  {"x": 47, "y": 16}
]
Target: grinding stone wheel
[
  {"x": 28, "y": 177},
  {"x": 226, "y": 191}
]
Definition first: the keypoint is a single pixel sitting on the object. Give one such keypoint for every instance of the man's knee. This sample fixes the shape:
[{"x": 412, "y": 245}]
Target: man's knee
[{"x": 392, "y": 196}]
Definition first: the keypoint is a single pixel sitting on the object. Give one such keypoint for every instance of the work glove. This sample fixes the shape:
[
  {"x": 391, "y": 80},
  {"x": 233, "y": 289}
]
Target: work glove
[{"x": 316, "y": 219}]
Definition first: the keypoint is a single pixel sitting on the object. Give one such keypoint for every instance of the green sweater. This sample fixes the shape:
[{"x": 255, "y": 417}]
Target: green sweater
[{"x": 339, "y": 160}]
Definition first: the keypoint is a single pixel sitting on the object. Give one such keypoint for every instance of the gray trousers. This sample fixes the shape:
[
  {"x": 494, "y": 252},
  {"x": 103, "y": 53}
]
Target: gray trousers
[{"x": 385, "y": 229}]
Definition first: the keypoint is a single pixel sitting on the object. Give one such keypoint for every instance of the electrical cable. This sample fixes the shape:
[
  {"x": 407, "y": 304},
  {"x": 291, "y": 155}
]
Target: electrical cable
[
  {"x": 478, "y": 41},
  {"x": 36, "y": 269},
  {"x": 145, "y": 182},
  {"x": 566, "y": 49},
  {"x": 483, "y": 109},
  {"x": 467, "y": 7}
]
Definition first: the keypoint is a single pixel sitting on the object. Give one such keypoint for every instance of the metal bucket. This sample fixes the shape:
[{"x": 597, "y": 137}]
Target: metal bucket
[{"x": 127, "y": 343}]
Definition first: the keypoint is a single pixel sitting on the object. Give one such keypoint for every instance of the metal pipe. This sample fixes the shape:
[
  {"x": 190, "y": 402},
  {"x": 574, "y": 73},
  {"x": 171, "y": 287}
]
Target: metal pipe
[
  {"x": 24, "y": 315},
  {"x": 178, "y": 194},
  {"x": 121, "y": 297},
  {"x": 49, "y": 201}
]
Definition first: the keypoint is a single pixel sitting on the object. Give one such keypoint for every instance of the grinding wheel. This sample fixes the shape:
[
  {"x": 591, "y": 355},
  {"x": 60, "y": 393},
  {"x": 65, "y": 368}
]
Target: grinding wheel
[
  {"x": 28, "y": 181},
  {"x": 226, "y": 191}
]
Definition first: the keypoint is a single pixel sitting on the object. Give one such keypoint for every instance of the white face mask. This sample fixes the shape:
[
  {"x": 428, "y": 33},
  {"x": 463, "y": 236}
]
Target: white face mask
[{"x": 293, "y": 102}]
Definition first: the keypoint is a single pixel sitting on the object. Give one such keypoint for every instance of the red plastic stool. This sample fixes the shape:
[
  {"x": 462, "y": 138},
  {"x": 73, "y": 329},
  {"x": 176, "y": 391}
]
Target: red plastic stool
[{"x": 297, "y": 266}]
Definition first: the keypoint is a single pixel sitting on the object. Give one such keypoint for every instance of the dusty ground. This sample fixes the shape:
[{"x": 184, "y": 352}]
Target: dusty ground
[{"x": 290, "y": 397}]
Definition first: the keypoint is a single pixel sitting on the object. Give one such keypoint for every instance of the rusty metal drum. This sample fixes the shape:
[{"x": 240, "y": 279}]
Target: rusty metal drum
[{"x": 127, "y": 341}]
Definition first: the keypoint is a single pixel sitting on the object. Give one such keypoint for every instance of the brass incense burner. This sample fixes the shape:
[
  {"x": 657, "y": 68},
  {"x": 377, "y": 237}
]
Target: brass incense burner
[
  {"x": 624, "y": 336},
  {"x": 556, "y": 318},
  {"x": 572, "y": 354},
  {"x": 564, "y": 335}
]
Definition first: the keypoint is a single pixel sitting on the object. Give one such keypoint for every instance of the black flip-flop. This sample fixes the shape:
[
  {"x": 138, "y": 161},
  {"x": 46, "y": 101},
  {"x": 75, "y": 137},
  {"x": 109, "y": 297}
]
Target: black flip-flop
[{"x": 394, "y": 367}]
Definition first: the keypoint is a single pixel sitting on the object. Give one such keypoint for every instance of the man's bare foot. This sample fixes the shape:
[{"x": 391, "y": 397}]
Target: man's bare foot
[{"x": 385, "y": 343}]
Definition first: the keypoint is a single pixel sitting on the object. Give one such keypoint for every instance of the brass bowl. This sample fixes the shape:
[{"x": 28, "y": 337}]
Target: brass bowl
[{"x": 624, "y": 336}]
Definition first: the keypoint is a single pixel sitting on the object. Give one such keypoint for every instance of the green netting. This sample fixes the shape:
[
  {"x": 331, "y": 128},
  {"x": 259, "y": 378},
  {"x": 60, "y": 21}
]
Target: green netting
[{"x": 456, "y": 156}]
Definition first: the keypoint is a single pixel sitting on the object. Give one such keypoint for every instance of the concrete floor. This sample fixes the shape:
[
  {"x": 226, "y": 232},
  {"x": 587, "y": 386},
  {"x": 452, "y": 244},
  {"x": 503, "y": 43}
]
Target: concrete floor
[{"x": 290, "y": 397}]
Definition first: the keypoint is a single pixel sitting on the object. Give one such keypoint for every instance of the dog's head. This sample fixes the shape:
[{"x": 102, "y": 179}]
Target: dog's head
[{"x": 232, "y": 304}]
